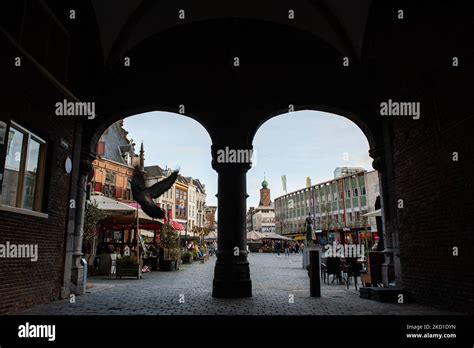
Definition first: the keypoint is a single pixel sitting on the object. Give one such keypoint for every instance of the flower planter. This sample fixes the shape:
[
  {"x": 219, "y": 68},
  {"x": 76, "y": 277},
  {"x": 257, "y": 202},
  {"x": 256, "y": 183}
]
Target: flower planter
[
  {"x": 128, "y": 271},
  {"x": 187, "y": 260},
  {"x": 168, "y": 265}
]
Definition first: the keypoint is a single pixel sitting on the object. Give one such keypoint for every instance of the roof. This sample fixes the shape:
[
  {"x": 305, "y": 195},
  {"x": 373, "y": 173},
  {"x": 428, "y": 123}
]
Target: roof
[
  {"x": 200, "y": 186},
  {"x": 154, "y": 171},
  {"x": 117, "y": 144}
]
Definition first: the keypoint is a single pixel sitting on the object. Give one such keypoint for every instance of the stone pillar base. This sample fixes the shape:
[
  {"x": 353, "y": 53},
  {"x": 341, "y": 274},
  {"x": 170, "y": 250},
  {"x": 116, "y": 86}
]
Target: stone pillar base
[
  {"x": 78, "y": 287},
  {"x": 232, "y": 280},
  {"x": 231, "y": 289}
]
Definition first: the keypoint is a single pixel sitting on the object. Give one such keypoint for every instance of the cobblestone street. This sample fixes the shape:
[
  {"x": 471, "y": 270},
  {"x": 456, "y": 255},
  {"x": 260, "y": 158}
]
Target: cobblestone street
[{"x": 274, "y": 280}]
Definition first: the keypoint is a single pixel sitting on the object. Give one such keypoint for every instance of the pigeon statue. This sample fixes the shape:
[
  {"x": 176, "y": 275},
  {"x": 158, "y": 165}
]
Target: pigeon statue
[{"x": 144, "y": 195}]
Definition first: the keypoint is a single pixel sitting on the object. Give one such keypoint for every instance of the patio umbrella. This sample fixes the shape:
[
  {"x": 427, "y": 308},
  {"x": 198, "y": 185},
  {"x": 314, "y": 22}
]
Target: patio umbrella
[
  {"x": 211, "y": 236},
  {"x": 254, "y": 236},
  {"x": 275, "y": 236}
]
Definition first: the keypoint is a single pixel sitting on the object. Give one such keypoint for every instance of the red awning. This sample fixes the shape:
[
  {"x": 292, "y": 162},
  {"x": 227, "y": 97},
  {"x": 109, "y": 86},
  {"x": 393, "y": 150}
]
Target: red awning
[{"x": 177, "y": 226}]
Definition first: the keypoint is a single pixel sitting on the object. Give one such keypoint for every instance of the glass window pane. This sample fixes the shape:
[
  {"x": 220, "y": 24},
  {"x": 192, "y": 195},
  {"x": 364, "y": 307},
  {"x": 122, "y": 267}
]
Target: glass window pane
[
  {"x": 12, "y": 167},
  {"x": 31, "y": 173}
]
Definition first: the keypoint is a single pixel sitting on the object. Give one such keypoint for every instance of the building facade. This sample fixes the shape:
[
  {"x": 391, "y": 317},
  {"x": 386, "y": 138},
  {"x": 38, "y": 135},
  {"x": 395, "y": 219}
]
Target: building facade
[
  {"x": 181, "y": 201},
  {"x": 210, "y": 212},
  {"x": 113, "y": 167},
  {"x": 200, "y": 203},
  {"x": 249, "y": 218},
  {"x": 263, "y": 217},
  {"x": 337, "y": 207},
  {"x": 343, "y": 171},
  {"x": 192, "y": 192},
  {"x": 166, "y": 201}
]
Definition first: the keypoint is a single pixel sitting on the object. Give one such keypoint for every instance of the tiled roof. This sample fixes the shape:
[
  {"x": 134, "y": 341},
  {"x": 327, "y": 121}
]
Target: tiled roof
[
  {"x": 154, "y": 171},
  {"x": 117, "y": 144}
]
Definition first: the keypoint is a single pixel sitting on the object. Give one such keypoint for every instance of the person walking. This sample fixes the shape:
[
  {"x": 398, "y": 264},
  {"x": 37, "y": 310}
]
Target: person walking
[
  {"x": 278, "y": 248},
  {"x": 287, "y": 249},
  {"x": 297, "y": 248}
]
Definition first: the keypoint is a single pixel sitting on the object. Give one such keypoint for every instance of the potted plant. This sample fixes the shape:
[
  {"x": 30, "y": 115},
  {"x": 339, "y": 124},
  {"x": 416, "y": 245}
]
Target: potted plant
[
  {"x": 127, "y": 267},
  {"x": 171, "y": 247},
  {"x": 187, "y": 257}
]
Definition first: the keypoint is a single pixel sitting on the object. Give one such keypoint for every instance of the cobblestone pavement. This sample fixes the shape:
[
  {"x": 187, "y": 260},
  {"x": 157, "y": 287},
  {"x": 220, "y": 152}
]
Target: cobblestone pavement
[{"x": 274, "y": 280}]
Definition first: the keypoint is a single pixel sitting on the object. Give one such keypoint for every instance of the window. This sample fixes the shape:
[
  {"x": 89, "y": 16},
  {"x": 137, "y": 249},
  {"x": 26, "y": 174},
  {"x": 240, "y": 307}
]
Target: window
[
  {"x": 363, "y": 190},
  {"x": 356, "y": 192},
  {"x": 23, "y": 176},
  {"x": 348, "y": 193},
  {"x": 109, "y": 185}
]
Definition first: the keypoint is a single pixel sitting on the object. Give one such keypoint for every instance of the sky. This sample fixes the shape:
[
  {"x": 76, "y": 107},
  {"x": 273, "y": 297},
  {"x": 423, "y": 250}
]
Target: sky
[{"x": 298, "y": 145}]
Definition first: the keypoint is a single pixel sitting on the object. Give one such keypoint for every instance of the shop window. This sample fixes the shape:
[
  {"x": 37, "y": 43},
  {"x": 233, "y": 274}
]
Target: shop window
[{"x": 23, "y": 175}]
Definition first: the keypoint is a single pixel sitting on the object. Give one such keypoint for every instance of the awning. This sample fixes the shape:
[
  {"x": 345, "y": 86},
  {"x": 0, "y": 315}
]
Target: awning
[
  {"x": 274, "y": 236},
  {"x": 211, "y": 236},
  {"x": 110, "y": 206},
  {"x": 142, "y": 216},
  {"x": 254, "y": 235},
  {"x": 377, "y": 212},
  {"x": 176, "y": 225}
]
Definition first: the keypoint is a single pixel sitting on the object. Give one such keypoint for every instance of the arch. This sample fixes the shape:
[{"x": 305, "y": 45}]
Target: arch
[
  {"x": 367, "y": 130},
  {"x": 93, "y": 133}
]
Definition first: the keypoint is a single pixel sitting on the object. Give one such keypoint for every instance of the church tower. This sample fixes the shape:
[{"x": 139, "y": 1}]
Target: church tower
[{"x": 265, "y": 199}]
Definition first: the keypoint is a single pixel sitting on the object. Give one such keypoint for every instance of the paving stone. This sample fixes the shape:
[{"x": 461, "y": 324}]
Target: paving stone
[{"x": 273, "y": 280}]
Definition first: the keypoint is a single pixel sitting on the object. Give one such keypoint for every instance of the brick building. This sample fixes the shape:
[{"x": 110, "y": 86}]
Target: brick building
[
  {"x": 424, "y": 164},
  {"x": 113, "y": 168}
]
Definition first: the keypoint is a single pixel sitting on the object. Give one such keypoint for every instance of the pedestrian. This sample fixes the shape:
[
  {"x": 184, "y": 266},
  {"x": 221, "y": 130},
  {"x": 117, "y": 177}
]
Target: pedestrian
[
  {"x": 287, "y": 249},
  {"x": 278, "y": 248},
  {"x": 297, "y": 248}
]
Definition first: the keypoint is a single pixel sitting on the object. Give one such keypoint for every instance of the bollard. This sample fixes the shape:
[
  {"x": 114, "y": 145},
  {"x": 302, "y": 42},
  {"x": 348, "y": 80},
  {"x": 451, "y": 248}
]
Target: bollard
[
  {"x": 85, "y": 265},
  {"x": 314, "y": 274}
]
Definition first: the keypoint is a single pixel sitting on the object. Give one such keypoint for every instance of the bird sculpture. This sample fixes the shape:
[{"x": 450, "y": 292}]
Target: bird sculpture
[{"x": 144, "y": 195}]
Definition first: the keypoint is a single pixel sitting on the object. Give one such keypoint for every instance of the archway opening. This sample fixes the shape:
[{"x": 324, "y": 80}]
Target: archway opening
[
  {"x": 313, "y": 168},
  {"x": 173, "y": 255}
]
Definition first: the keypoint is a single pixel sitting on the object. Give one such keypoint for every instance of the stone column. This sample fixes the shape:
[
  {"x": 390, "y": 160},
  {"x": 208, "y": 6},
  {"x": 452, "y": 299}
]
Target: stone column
[
  {"x": 77, "y": 271},
  {"x": 388, "y": 206},
  {"x": 231, "y": 273}
]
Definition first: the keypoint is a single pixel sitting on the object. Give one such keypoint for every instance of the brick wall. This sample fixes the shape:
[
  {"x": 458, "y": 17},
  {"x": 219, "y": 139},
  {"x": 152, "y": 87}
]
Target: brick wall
[
  {"x": 438, "y": 205},
  {"x": 24, "y": 283}
]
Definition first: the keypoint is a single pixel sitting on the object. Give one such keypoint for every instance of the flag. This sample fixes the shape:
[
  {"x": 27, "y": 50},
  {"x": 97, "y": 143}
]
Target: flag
[{"x": 283, "y": 182}]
